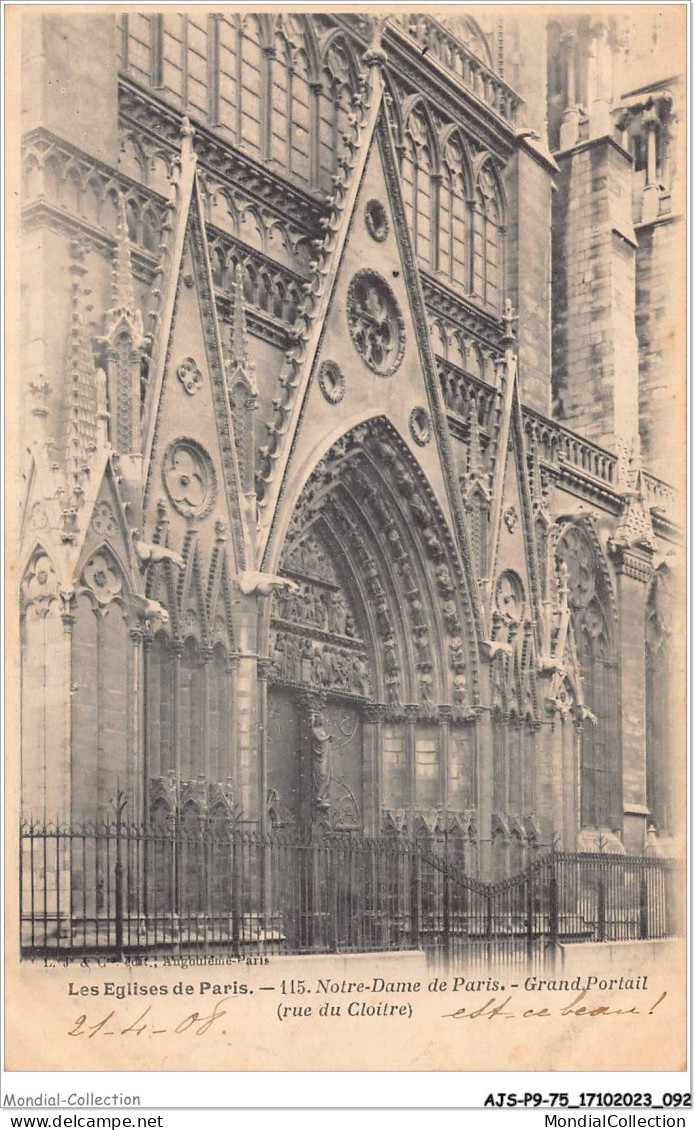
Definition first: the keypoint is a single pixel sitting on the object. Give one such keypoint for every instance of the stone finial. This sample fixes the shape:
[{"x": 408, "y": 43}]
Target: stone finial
[
  {"x": 375, "y": 56},
  {"x": 123, "y": 312}
]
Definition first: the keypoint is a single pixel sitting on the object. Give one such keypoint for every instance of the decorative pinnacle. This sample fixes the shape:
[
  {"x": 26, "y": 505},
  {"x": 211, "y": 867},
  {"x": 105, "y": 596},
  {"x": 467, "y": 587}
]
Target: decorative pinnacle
[
  {"x": 239, "y": 338},
  {"x": 123, "y": 309},
  {"x": 122, "y": 294}
]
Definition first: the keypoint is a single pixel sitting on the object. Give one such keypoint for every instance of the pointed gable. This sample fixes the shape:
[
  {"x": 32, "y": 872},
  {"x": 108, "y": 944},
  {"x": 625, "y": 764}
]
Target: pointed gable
[
  {"x": 512, "y": 537},
  {"x": 365, "y": 348},
  {"x": 190, "y": 463}
]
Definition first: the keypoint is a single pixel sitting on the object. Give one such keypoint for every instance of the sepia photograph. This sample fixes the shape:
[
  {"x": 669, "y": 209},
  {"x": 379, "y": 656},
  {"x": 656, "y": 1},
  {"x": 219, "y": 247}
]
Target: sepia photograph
[{"x": 346, "y": 539}]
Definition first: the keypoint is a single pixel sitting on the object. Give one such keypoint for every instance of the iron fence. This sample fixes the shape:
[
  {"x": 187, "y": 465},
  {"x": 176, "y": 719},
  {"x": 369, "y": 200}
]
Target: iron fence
[{"x": 123, "y": 888}]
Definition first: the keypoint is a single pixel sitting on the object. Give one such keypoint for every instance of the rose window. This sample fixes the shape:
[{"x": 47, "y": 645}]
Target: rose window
[
  {"x": 189, "y": 479},
  {"x": 375, "y": 322}
]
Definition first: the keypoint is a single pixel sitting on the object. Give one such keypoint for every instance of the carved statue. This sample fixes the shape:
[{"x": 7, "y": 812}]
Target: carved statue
[
  {"x": 321, "y": 762},
  {"x": 360, "y": 675},
  {"x": 337, "y": 614}
]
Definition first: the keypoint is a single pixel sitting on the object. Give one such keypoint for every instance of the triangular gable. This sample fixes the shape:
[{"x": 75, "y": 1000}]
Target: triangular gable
[
  {"x": 512, "y": 535},
  {"x": 340, "y": 384},
  {"x": 187, "y": 401},
  {"x": 103, "y": 521}
]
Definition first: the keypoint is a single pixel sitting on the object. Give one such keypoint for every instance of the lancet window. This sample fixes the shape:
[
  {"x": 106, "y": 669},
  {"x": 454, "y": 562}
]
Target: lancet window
[
  {"x": 453, "y": 216},
  {"x": 419, "y": 184},
  {"x": 487, "y": 241}
]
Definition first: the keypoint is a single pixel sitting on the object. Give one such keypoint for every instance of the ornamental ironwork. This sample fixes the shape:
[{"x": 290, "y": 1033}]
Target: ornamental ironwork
[{"x": 375, "y": 322}]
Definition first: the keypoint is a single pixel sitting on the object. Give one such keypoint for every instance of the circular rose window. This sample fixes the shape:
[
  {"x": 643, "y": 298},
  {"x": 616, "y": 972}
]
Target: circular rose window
[
  {"x": 189, "y": 478},
  {"x": 375, "y": 322}
]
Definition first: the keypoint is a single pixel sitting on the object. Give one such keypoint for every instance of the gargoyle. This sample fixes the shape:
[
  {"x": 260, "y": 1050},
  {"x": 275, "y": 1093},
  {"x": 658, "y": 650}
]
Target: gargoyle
[
  {"x": 264, "y": 583},
  {"x": 151, "y": 609},
  {"x": 148, "y": 554}
]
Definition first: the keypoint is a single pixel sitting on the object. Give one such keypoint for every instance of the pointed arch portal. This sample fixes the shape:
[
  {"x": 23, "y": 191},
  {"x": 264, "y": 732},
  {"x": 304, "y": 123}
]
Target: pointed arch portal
[{"x": 368, "y": 645}]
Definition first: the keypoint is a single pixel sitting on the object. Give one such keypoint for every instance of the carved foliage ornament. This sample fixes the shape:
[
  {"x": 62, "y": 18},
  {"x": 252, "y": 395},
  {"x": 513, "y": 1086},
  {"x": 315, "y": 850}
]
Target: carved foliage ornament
[
  {"x": 375, "y": 322},
  {"x": 189, "y": 478}
]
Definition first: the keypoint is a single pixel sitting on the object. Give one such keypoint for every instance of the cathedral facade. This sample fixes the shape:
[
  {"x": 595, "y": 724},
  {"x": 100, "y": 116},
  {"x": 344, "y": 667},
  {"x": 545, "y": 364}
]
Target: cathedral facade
[{"x": 350, "y": 384}]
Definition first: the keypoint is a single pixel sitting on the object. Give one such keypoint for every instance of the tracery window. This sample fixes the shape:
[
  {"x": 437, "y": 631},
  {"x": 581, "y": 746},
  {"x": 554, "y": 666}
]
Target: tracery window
[
  {"x": 337, "y": 83},
  {"x": 290, "y": 101},
  {"x": 251, "y": 85},
  {"x": 453, "y": 216},
  {"x": 419, "y": 187},
  {"x": 487, "y": 245}
]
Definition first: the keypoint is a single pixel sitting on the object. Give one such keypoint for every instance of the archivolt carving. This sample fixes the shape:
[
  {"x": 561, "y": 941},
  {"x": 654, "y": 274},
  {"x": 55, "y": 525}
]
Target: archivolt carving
[{"x": 368, "y": 497}]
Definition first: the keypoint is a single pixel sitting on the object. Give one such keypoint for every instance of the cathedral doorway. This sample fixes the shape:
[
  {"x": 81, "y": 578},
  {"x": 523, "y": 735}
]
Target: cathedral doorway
[{"x": 369, "y": 646}]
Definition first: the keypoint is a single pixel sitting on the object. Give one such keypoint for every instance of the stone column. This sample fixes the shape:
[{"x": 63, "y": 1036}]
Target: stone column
[
  {"x": 444, "y": 719},
  {"x": 58, "y": 783},
  {"x": 136, "y": 775},
  {"x": 151, "y": 742},
  {"x": 633, "y": 568},
  {"x": 232, "y": 767},
  {"x": 372, "y": 726},
  {"x": 263, "y": 668},
  {"x": 483, "y": 754},
  {"x": 204, "y": 767},
  {"x": 651, "y": 195},
  {"x": 177, "y": 653},
  {"x": 411, "y": 713},
  {"x": 569, "y": 128},
  {"x": 571, "y": 739}
]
